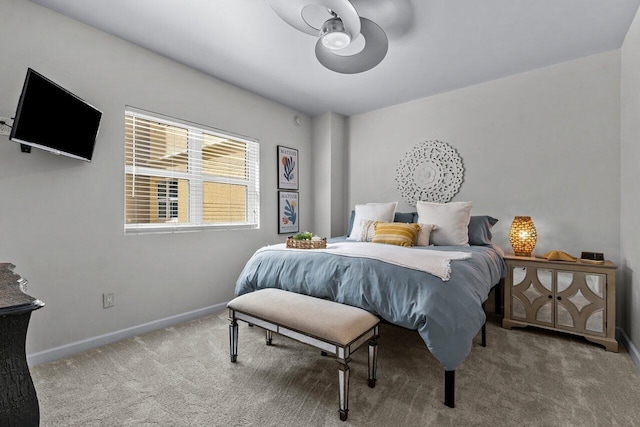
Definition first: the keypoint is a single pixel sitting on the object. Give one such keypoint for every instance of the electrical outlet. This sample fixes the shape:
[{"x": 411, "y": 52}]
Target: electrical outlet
[{"x": 108, "y": 300}]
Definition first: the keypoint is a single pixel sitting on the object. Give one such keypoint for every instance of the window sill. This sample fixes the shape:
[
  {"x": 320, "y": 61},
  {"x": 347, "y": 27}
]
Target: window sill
[{"x": 183, "y": 228}]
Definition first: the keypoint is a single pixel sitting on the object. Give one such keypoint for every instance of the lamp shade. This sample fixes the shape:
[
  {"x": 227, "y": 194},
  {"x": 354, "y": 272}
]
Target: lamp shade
[{"x": 523, "y": 236}]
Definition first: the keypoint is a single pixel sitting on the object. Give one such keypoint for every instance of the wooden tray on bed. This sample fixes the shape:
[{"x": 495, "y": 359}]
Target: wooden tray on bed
[{"x": 306, "y": 244}]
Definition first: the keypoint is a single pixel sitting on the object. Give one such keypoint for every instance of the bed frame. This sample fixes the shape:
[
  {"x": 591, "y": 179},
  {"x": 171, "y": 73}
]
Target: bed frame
[{"x": 450, "y": 376}]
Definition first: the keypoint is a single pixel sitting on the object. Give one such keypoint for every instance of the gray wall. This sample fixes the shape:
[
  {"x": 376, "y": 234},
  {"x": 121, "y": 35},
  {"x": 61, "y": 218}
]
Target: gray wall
[
  {"x": 329, "y": 173},
  {"x": 62, "y": 219},
  {"x": 320, "y": 165},
  {"x": 630, "y": 180},
  {"x": 543, "y": 143}
]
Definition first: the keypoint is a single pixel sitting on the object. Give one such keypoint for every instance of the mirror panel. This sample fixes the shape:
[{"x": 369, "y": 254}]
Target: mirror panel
[
  {"x": 579, "y": 300},
  {"x": 596, "y": 283},
  {"x": 545, "y": 313},
  {"x": 517, "y": 308},
  {"x": 519, "y": 273},
  {"x": 595, "y": 322},
  {"x": 564, "y": 317},
  {"x": 565, "y": 279},
  {"x": 545, "y": 277},
  {"x": 532, "y": 294}
]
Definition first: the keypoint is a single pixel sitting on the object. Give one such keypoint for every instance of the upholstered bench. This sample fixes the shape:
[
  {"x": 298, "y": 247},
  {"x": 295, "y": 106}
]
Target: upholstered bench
[{"x": 336, "y": 329}]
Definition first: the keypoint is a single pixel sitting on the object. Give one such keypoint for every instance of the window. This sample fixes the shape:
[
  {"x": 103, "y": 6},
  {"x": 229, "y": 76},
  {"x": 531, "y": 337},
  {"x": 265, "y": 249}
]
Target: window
[
  {"x": 168, "y": 200},
  {"x": 180, "y": 176}
]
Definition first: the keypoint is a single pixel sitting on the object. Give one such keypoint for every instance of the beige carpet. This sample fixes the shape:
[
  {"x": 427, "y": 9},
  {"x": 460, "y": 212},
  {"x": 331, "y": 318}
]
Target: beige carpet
[{"x": 182, "y": 376}]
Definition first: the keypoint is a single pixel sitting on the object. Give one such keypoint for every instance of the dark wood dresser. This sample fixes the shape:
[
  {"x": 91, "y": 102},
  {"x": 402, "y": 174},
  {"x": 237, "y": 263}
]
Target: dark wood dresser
[{"x": 18, "y": 399}]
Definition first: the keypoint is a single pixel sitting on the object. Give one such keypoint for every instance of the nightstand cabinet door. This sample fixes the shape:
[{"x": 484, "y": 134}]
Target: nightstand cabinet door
[
  {"x": 532, "y": 295},
  {"x": 581, "y": 302}
]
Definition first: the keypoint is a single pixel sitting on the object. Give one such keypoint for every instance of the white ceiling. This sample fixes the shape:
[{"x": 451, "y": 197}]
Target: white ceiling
[{"x": 434, "y": 45}]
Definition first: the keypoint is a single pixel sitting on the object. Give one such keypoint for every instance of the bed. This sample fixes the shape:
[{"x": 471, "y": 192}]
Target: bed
[{"x": 447, "y": 314}]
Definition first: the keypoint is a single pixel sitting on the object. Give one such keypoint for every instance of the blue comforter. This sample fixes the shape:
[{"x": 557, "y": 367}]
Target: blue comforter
[{"x": 448, "y": 315}]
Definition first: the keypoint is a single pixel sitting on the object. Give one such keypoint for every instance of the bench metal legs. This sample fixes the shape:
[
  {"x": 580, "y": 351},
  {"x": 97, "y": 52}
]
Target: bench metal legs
[
  {"x": 344, "y": 371},
  {"x": 341, "y": 353},
  {"x": 343, "y": 379},
  {"x": 233, "y": 340},
  {"x": 373, "y": 362}
]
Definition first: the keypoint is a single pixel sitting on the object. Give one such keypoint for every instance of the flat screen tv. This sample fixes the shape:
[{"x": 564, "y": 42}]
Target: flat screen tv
[{"x": 51, "y": 118}]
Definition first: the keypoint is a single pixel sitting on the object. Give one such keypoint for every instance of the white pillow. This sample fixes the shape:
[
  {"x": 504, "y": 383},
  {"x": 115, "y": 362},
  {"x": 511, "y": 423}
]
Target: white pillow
[
  {"x": 373, "y": 212},
  {"x": 425, "y": 233},
  {"x": 452, "y": 220}
]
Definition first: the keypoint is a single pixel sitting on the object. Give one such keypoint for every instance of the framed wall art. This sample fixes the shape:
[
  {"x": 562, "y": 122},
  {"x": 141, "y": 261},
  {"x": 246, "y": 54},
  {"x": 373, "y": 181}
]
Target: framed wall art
[
  {"x": 287, "y": 168},
  {"x": 288, "y": 212}
]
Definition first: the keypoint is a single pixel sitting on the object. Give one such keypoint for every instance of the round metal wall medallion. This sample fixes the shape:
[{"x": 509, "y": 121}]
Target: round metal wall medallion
[{"x": 431, "y": 171}]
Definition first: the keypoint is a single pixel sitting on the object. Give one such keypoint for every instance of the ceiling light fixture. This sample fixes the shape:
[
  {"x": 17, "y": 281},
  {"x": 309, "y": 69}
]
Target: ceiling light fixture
[
  {"x": 343, "y": 26},
  {"x": 333, "y": 34}
]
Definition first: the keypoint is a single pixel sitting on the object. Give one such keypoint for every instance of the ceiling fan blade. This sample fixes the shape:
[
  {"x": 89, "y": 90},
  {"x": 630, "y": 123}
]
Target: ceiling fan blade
[
  {"x": 375, "y": 49},
  {"x": 291, "y": 12}
]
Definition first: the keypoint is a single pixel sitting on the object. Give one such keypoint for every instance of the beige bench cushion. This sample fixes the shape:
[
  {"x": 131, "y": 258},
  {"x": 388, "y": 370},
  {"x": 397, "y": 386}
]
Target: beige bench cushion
[{"x": 323, "y": 319}]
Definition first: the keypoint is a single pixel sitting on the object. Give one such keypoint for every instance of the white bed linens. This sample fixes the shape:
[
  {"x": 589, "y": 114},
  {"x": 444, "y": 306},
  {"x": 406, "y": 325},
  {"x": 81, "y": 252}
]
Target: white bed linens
[{"x": 437, "y": 263}]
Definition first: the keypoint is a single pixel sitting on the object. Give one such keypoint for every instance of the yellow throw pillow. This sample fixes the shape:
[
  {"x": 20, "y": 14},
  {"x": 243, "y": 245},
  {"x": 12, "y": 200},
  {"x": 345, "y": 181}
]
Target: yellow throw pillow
[{"x": 396, "y": 233}]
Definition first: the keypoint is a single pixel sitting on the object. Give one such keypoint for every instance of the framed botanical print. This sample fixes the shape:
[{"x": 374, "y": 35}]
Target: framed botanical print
[
  {"x": 287, "y": 168},
  {"x": 288, "y": 212}
]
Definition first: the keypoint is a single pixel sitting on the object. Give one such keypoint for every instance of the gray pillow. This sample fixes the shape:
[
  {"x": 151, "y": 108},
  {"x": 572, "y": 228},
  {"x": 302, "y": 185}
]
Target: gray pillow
[
  {"x": 351, "y": 218},
  {"x": 480, "y": 230},
  {"x": 406, "y": 218}
]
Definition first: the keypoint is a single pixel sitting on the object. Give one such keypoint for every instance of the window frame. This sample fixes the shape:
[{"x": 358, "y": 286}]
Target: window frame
[
  {"x": 195, "y": 179},
  {"x": 169, "y": 199}
]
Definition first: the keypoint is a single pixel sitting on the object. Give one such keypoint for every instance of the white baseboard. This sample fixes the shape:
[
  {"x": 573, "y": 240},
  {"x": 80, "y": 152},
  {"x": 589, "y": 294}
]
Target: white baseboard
[
  {"x": 623, "y": 338},
  {"x": 93, "y": 342}
]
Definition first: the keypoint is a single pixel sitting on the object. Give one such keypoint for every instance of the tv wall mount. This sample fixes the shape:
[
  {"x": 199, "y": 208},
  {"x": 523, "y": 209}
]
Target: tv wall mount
[
  {"x": 5, "y": 129},
  {"x": 5, "y": 125}
]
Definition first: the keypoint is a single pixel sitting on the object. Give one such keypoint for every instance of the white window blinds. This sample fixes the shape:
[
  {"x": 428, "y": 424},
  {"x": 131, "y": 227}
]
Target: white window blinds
[{"x": 180, "y": 176}]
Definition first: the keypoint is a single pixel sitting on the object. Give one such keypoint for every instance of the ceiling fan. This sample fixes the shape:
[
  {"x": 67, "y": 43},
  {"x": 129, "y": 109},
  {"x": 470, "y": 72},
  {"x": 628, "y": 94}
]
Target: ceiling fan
[{"x": 340, "y": 30}]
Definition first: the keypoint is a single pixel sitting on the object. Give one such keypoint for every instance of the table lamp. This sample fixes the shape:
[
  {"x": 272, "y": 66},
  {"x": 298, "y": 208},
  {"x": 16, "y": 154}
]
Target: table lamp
[{"x": 523, "y": 236}]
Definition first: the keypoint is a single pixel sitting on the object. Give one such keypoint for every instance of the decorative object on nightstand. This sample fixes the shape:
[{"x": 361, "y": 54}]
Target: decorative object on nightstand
[
  {"x": 523, "y": 235},
  {"x": 592, "y": 257},
  {"x": 574, "y": 297},
  {"x": 559, "y": 256}
]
